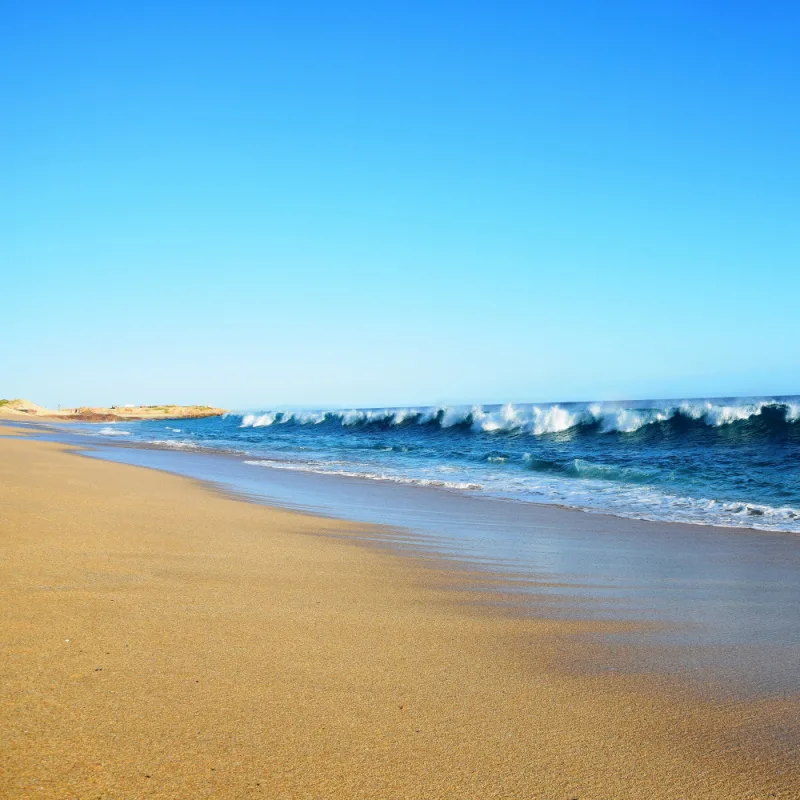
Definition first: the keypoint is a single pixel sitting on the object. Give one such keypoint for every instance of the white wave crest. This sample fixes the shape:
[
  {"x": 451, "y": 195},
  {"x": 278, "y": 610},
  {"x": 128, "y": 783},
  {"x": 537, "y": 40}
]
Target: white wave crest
[{"x": 533, "y": 419}]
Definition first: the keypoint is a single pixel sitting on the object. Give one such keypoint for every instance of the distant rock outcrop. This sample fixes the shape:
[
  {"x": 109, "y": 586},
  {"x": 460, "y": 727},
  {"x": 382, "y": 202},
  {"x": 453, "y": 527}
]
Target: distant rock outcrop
[{"x": 25, "y": 408}]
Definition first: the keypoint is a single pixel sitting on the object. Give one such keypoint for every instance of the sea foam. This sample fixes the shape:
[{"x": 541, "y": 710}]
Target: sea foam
[{"x": 535, "y": 420}]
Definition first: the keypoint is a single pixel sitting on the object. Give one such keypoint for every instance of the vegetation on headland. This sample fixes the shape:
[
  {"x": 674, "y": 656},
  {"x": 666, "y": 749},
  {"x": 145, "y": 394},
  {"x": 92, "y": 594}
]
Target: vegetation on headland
[{"x": 25, "y": 408}]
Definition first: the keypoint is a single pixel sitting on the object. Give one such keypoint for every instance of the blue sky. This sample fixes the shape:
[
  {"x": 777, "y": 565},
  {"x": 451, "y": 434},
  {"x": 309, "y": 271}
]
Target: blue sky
[{"x": 252, "y": 204}]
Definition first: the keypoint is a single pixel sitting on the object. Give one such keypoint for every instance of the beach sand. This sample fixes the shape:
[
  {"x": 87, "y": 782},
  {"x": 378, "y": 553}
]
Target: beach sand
[{"x": 162, "y": 640}]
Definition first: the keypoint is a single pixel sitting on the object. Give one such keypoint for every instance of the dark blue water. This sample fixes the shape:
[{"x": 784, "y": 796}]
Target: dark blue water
[{"x": 733, "y": 462}]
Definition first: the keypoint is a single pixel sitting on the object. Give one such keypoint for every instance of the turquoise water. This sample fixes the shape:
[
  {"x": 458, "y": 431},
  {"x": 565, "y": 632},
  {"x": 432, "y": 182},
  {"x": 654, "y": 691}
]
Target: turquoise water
[{"x": 730, "y": 461}]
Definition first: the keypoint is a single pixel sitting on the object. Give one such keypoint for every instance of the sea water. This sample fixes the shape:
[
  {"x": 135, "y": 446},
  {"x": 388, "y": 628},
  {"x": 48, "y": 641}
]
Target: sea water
[{"x": 722, "y": 461}]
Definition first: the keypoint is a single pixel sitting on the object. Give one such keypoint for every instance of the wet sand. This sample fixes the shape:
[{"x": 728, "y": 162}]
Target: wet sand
[{"x": 162, "y": 640}]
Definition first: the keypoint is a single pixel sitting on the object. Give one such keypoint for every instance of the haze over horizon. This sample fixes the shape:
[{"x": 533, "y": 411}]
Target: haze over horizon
[{"x": 353, "y": 205}]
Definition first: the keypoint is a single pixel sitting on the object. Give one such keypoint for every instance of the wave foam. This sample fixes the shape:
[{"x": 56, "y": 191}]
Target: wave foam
[
  {"x": 374, "y": 476},
  {"x": 596, "y": 492},
  {"x": 536, "y": 420},
  {"x": 175, "y": 444},
  {"x": 109, "y": 431}
]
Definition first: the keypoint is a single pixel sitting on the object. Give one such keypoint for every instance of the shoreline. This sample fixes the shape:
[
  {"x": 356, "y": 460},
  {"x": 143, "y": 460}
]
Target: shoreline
[
  {"x": 234, "y": 648},
  {"x": 42, "y": 425},
  {"x": 718, "y": 607}
]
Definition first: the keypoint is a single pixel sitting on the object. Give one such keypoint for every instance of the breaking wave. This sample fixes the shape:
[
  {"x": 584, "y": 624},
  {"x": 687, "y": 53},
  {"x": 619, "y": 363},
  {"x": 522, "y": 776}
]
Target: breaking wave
[{"x": 766, "y": 415}]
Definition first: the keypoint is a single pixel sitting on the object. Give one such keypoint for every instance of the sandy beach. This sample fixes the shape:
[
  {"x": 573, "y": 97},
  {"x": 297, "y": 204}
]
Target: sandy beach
[{"x": 163, "y": 640}]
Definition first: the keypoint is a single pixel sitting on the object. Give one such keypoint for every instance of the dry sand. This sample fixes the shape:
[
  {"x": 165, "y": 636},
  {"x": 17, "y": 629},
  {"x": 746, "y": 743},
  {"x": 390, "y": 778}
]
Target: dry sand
[{"x": 160, "y": 640}]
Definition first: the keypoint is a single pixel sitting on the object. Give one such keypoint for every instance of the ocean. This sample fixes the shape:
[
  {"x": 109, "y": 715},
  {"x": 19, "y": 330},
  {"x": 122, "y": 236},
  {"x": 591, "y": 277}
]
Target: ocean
[{"x": 717, "y": 461}]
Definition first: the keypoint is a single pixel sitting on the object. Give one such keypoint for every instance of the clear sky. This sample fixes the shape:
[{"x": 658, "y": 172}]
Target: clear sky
[{"x": 379, "y": 203}]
